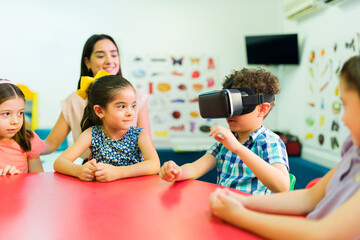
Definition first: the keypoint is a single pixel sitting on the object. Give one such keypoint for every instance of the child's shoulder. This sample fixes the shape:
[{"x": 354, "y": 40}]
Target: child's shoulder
[
  {"x": 37, "y": 145},
  {"x": 135, "y": 128},
  {"x": 35, "y": 140},
  {"x": 266, "y": 135},
  {"x": 347, "y": 144},
  {"x": 33, "y": 136},
  {"x": 133, "y": 135}
]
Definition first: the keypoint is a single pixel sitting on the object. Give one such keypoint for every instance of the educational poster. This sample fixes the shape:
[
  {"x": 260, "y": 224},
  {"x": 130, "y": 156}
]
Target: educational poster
[
  {"x": 173, "y": 83},
  {"x": 324, "y": 110}
]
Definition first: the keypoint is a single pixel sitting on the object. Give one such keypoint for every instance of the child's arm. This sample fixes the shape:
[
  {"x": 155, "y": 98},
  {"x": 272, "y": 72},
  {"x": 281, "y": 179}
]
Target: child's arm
[
  {"x": 64, "y": 163},
  {"x": 171, "y": 172},
  {"x": 150, "y": 165},
  {"x": 9, "y": 170},
  {"x": 275, "y": 177},
  {"x": 143, "y": 119},
  {"x": 297, "y": 202},
  {"x": 288, "y": 227},
  {"x": 35, "y": 165}
]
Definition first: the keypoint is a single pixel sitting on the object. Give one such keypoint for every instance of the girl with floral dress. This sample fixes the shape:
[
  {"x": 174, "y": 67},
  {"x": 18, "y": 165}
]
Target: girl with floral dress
[{"x": 118, "y": 150}]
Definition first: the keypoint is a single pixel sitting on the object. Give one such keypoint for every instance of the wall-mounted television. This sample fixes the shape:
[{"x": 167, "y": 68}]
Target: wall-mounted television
[{"x": 272, "y": 49}]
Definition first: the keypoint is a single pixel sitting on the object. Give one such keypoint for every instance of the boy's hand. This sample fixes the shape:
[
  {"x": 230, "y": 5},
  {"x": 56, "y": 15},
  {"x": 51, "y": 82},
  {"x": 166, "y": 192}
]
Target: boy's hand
[
  {"x": 170, "y": 172},
  {"x": 88, "y": 171},
  {"x": 225, "y": 136},
  {"x": 9, "y": 170},
  {"x": 105, "y": 172},
  {"x": 225, "y": 206}
]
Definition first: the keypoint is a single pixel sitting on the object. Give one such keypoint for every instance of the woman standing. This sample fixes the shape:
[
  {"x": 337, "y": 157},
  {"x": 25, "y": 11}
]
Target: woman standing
[{"x": 100, "y": 52}]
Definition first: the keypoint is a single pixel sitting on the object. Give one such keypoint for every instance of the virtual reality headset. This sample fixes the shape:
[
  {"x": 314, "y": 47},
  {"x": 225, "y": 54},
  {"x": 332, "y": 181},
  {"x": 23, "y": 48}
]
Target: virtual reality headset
[{"x": 230, "y": 102}]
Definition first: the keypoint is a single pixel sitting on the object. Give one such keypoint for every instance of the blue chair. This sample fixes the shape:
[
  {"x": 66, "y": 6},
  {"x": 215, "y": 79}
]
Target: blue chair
[{"x": 292, "y": 181}]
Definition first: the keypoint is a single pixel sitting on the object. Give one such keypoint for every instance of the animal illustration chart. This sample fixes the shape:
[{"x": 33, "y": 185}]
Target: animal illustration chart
[
  {"x": 173, "y": 84},
  {"x": 324, "y": 128}
]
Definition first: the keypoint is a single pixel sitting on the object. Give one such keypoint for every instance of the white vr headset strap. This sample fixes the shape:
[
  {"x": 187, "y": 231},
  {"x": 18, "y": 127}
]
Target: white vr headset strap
[{"x": 231, "y": 103}]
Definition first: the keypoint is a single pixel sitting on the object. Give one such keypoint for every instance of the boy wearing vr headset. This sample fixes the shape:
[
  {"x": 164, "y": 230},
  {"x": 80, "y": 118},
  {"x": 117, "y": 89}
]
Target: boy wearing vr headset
[{"x": 248, "y": 157}]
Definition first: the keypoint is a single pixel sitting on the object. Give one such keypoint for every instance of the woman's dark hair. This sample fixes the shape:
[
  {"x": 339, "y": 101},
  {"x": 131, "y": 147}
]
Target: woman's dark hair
[
  {"x": 87, "y": 51},
  {"x": 102, "y": 92},
  {"x": 350, "y": 72},
  {"x": 22, "y": 137}
]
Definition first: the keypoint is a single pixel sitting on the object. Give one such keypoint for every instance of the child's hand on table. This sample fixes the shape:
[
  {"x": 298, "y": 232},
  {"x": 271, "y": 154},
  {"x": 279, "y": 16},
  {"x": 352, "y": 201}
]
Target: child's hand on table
[
  {"x": 9, "y": 170},
  {"x": 105, "y": 172},
  {"x": 88, "y": 171},
  {"x": 225, "y": 205},
  {"x": 170, "y": 171}
]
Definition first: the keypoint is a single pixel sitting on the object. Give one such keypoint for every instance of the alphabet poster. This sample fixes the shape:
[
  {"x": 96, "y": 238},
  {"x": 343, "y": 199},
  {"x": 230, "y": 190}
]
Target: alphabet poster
[
  {"x": 324, "y": 109},
  {"x": 173, "y": 83}
]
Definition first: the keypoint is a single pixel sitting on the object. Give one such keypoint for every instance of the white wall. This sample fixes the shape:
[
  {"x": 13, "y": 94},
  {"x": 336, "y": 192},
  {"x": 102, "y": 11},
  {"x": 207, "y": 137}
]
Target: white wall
[
  {"x": 322, "y": 27},
  {"x": 41, "y": 41}
]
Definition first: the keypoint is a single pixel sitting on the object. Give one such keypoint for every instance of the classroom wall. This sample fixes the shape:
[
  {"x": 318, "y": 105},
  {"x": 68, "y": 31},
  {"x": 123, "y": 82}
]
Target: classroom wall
[
  {"x": 41, "y": 41},
  {"x": 318, "y": 29}
]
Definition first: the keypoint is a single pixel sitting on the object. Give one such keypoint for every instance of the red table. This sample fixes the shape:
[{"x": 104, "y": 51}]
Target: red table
[{"x": 55, "y": 206}]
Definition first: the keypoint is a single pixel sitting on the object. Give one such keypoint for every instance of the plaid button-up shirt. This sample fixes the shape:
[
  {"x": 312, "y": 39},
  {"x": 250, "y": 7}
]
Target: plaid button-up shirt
[{"x": 232, "y": 171}]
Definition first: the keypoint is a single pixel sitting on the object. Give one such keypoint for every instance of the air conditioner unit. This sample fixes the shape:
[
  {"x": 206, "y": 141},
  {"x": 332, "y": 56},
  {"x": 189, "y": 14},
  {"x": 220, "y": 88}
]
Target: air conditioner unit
[{"x": 295, "y": 9}]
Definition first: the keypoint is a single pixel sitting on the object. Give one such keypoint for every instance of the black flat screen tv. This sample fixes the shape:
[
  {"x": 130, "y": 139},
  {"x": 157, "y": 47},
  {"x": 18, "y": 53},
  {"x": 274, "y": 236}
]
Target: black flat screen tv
[{"x": 272, "y": 49}]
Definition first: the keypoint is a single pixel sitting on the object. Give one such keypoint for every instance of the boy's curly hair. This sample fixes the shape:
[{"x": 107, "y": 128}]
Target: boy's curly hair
[{"x": 258, "y": 79}]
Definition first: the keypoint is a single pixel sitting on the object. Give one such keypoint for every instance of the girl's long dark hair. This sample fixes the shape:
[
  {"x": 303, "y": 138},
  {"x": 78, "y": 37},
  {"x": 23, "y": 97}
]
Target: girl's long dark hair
[
  {"x": 102, "y": 92},
  {"x": 87, "y": 51},
  {"x": 22, "y": 137}
]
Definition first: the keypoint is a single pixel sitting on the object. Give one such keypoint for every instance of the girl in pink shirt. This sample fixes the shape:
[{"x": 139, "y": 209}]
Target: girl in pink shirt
[{"x": 19, "y": 147}]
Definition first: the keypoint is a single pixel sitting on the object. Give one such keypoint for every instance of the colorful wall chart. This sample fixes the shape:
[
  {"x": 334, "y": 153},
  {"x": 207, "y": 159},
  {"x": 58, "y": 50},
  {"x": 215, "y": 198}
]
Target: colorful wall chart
[
  {"x": 173, "y": 83},
  {"x": 324, "y": 128}
]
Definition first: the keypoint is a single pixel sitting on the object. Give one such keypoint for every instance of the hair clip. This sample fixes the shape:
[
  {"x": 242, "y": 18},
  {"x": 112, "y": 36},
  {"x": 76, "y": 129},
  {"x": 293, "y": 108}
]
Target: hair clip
[{"x": 86, "y": 82}]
